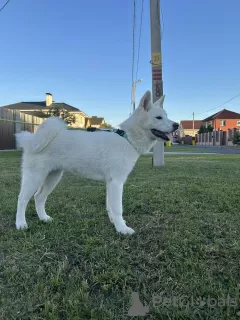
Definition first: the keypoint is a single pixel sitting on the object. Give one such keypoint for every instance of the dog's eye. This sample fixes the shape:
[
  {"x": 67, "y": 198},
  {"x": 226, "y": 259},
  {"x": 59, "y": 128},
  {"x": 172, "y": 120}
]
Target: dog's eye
[{"x": 159, "y": 118}]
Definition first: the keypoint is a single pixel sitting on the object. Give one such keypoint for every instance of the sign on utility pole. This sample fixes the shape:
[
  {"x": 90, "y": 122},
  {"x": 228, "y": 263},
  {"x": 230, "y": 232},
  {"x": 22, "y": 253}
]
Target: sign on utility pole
[{"x": 156, "y": 61}]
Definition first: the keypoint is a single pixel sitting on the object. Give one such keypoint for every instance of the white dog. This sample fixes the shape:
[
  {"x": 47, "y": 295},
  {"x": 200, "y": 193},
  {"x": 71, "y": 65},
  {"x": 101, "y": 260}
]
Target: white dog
[{"x": 105, "y": 156}]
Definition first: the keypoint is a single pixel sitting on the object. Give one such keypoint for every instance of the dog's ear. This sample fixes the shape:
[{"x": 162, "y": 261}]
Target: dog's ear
[
  {"x": 146, "y": 101},
  {"x": 159, "y": 102}
]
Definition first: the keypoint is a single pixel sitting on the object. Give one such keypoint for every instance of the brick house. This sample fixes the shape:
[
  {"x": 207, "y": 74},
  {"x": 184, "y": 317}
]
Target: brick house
[
  {"x": 186, "y": 128},
  {"x": 223, "y": 120},
  {"x": 95, "y": 122}
]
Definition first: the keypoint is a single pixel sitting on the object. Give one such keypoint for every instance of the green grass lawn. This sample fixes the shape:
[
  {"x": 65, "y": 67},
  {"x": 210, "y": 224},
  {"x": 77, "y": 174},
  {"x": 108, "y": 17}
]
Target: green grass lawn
[
  {"x": 186, "y": 148},
  {"x": 186, "y": 246}
]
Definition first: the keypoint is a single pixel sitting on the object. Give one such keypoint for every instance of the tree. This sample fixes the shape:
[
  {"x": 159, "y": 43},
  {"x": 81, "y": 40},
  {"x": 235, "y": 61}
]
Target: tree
[
  {"x": 203, "y": 129},
  {"x": 106, "y": 126},
  {"x": 236, "y": 138},
  {"x": 58, "y": 112},
  {"x": 209, "y": 128}
]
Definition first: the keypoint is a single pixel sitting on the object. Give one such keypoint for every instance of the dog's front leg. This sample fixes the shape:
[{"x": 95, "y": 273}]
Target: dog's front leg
[
  {"x": 108, "y": 209},
  {"x": 114, "y": 199}
]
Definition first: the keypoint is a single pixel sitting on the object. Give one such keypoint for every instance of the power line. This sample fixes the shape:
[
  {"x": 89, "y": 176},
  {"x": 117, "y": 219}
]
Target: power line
[
  {"x": 162, "y": 24},
  {"x": 139, "y": 41},
  {"x": 220, "y": 104},
  {"x": 133, "y": 38},
  {"x": 133, "y": 46},
  {"x": 189, "y": 118},
  {"x": 4, "y": 5}
]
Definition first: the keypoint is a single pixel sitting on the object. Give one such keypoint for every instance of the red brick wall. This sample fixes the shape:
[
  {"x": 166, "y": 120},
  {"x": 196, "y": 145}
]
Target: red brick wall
[{"x": 230, "y": 124}]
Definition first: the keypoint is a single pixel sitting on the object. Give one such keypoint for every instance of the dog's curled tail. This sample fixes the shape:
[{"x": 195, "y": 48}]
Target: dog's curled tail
[{"x": 46, "y": 132}]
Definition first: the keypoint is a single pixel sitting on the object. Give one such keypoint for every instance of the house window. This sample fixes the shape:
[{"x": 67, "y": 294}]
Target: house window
[
  {"x": 238, "y": 123},
  {"x": 222, "y": 123}
]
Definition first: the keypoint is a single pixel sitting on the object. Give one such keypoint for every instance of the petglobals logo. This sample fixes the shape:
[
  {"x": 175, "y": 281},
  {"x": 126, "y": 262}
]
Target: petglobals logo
[
  {"x": 160, "y": 301},
  {"x": 137, "y": 309}
]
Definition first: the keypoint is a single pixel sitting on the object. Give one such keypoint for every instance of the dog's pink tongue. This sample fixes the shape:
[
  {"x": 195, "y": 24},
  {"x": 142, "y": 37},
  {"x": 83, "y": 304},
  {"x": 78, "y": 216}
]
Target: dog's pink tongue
[{"x": 170, "y": 136}]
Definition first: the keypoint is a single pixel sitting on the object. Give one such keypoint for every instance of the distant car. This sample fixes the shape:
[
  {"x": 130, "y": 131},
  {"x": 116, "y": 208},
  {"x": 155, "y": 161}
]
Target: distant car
[{"x": 91, "y": 129}]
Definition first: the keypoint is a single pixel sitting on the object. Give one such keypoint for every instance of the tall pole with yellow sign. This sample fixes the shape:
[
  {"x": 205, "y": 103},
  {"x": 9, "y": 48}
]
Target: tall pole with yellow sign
[{"x": 156, "y": 62}]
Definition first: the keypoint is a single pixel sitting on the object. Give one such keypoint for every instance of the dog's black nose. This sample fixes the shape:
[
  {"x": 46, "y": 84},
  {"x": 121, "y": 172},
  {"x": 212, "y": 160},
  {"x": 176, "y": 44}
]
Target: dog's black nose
[{"x": 175, "y": 126}]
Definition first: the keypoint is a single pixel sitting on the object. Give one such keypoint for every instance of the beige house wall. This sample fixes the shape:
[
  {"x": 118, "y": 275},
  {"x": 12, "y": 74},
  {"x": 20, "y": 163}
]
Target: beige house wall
[
  {"x": 189, "y": 132},
  {"x": 80, "y": 120},
  {"x": 97, "y": 125}
]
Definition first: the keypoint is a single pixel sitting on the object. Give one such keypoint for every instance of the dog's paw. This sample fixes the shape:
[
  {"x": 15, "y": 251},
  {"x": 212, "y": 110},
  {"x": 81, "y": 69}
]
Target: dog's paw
[
  {"x": 21, "y": 225},
  {"x": 127, "y": 230},
  {"x": 46, "y": 218}
]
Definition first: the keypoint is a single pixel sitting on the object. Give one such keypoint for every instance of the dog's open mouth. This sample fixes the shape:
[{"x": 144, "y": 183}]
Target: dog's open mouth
[{"x": 160, "y": 134}]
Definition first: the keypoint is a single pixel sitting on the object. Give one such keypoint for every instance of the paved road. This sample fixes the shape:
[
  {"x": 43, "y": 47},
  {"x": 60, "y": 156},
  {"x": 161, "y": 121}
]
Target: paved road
[
  {"x": 220, "y": 150},
  {"x": 200, "y": 150},
  {"x": 185, "y": 152}
]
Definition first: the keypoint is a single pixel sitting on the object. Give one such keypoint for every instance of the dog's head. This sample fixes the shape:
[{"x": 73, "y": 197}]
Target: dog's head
[{"x": 153, "y": 118}]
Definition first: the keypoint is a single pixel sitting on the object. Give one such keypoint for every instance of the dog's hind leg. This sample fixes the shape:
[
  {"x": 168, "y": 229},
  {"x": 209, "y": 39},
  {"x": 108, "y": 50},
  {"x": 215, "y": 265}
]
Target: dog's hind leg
[
  {"x": 108, "y": 209},
  {"x": 30, "y": 184},
  {"x": 43, "y": 192},
  {"x": 114, "y": 199}
]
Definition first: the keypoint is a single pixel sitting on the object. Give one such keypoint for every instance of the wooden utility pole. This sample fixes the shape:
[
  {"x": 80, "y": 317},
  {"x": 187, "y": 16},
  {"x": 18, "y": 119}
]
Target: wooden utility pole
[{"x": 156, "y": 61}]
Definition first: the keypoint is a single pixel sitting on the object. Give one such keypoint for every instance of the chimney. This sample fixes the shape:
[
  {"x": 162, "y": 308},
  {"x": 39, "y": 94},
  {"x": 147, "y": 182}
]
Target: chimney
[
  {"x": 48, "y": 99},
  {"x": 94, "y": 116}
]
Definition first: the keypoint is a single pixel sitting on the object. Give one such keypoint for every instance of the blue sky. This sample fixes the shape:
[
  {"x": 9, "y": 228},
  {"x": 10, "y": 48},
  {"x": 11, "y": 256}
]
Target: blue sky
[{"x": 81, "y": 52}]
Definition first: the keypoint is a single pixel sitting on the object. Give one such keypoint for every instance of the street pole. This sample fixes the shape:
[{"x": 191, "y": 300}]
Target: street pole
[
  {"x": 156, "y": 61},
  {"x": 134, "y": 95},
  {"x": 193, "y": 125}
]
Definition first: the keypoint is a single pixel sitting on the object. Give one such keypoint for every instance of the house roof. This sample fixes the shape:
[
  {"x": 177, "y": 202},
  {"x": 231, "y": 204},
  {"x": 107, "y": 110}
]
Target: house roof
[
  {"x": 40, "y": 105},
  {"x": 223, "y": 114},
  {"x": 96, "y": 121},
  {"x": 188, "y": 124}
]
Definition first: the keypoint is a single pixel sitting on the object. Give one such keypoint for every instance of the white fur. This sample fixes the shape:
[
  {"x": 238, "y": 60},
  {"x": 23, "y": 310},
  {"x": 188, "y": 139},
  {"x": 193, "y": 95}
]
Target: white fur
[{"x": 104, "y": 156}]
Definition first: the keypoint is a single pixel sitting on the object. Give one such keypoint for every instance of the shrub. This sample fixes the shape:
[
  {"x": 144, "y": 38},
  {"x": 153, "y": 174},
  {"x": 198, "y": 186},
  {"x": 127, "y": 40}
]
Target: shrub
[
  {"x": 203, "y": 129},
  {"x": 236, "y": 138}
]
